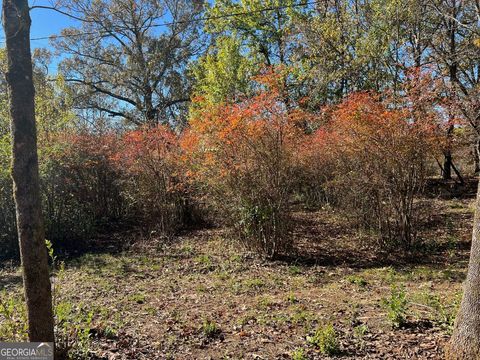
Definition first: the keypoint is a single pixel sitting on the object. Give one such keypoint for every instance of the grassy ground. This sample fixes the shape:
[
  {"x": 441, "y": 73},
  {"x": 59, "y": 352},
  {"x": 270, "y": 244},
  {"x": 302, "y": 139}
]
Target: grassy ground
[{"x": 201, "y": 297}]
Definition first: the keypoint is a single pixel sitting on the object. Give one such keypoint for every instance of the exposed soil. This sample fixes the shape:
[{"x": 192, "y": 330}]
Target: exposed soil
[{"x": 201, "y": 297}]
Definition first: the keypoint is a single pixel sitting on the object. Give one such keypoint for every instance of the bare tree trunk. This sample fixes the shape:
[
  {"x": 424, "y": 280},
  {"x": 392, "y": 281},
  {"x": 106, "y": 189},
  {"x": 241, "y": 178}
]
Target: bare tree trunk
[
  {"x": 447, "y": 160},
  {"x": 447, "y": 166},
  {"x": 453, "y": 73},
  {"x": 16, "y": 21},
  {"x": 465, "y": 341},
  {"x": 476, "y": 155}
]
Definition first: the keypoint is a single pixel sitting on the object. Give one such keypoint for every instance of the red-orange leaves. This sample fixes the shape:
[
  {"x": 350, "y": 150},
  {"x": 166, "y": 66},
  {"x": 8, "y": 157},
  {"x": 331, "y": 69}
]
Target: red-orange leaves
[
  {"x": 151, "y": 161},
  {"x": 244, "y": 155},
  {"x": 377, "y": 156},
  {"x": 149, "y": 149},
  {"x": 363, "y": 122}
]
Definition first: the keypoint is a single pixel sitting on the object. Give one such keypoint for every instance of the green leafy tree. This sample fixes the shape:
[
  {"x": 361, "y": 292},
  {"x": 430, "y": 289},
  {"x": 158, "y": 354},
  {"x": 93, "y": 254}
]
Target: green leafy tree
[
  {"x": 224, "y": 73},
  {"x": 264, "y": 27},
  {"x": 348, "y": 46}
]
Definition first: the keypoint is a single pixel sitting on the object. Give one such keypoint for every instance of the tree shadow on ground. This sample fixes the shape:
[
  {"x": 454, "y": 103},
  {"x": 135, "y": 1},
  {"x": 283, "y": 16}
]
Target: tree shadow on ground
[
  {"x": 10, "y": 279},
  {"x": 327, "y": 239},
  {"x": 450, "y": 189}
]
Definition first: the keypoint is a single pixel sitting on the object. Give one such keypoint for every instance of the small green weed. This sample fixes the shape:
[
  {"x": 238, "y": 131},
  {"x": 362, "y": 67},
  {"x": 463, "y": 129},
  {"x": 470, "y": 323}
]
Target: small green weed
[
  {"x": 210, "y": 329},
  {"x": 291, "y": 298},
  {"x": 253, "y": 284},
  {"x": 13, "y": 318},
  {"x": 187, "y": 249},
  {"x": 396, "y": 306},
  {"x": 326, "y": 340},
  {"x": 72, "y": 324},
  {"x": 73, "y": 329},
  {"x": 357, "y": 280},
  {"x": 299, "y": 354},
  {"x": 109, "y": 332},
  {"x": 294, "y": 270},
  {"x": 300, "y": 315},
  {"x": 265, "y": 302},
  {"x": 359, "y": 333},
  {"x": 138, "y": 298},
  {"x": 205, "y": 262},
  {"x": 444, "y": 314}
]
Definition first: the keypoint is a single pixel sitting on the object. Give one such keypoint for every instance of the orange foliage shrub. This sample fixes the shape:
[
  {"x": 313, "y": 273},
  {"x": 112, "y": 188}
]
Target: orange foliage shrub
[
  {"x": 244, "y": 157},
  {"x": 378, "y": 156},
  {"x": 92, "y": 180},
  {"x": 316, "y": 168},
  {"x": 150, "y": 159}
]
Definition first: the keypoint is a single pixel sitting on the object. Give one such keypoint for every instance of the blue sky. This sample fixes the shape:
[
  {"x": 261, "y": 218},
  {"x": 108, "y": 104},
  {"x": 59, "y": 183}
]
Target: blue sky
[{"x": 45, "y": 23}]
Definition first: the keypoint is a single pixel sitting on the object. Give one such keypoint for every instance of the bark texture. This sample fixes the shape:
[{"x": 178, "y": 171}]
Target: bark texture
[
  {"x": 476, "y": 155},
  {"x": 16, "y": 21},
  {"x": 465, "y": 341}
]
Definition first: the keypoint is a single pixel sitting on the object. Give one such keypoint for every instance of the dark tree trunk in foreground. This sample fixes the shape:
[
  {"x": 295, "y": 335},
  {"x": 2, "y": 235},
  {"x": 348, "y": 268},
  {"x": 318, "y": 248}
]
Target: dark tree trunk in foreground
[
  {"x": 16, "y": 21},
  {"x": 465, "y": 341}
]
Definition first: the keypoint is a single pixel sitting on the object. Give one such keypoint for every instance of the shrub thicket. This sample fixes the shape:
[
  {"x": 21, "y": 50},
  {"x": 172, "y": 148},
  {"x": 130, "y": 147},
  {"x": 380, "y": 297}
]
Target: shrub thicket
[
  {"x": 243, "y": 156},
  {"x": 376, "y": 159},
  {"x": 248, "y": 161}
]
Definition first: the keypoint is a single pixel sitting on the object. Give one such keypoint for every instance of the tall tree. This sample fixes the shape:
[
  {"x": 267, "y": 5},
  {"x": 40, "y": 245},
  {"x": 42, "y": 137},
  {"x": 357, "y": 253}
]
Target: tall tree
[
  {"x": 128, "y": 58},
  {"x": 263, "y": 26},
  {"x": 348, "y": 46},
  {"x": 455, "y": 56},
  {"x": 16, "y": 22},
  {"x": 264, "y": 29},
  {"x": 465, "y": 341},
  {"x": 448, "y": 52},
  {"x": 52, "y": 114}
]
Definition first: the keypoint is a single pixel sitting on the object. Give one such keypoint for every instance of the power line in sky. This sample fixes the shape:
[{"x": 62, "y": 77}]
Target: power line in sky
[{"x": 181, "y": 22}]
